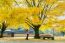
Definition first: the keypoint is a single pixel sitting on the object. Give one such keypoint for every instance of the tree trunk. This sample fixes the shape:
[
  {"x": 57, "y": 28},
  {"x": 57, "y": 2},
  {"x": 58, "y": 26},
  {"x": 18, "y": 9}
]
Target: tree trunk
[
  {"x": 1, "y": 33},
  {"x": 36, "y": 29},
  {"x": 3, "y": 29}
]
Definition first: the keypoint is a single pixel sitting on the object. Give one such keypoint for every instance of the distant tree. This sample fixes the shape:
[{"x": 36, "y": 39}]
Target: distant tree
[{"x": 4, "y": 26}]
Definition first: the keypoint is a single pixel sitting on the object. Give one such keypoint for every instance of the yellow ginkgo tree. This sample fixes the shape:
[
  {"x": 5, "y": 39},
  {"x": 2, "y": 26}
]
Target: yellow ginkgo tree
[{"x": 48, "y": 9}]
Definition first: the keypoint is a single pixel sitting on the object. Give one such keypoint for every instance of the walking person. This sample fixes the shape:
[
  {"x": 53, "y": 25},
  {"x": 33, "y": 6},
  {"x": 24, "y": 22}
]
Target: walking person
[{"x": 27, "y": 34}]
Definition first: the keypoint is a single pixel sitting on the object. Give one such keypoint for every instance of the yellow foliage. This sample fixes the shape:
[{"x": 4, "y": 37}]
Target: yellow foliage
[
  {"x": 6, "y": 3},
  {"x": 50, "y": 1},
  {"x": 25, "y": 26},
  {"x": 17, "y": 16},
  {"x": 61, "y": 22},
  {"x": 44, "y": 27}
]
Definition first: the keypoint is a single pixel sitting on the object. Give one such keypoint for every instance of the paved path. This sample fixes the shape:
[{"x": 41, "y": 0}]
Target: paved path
[
  {"x": 31, "y": 40},
  {"x": 56, "y": 38}
]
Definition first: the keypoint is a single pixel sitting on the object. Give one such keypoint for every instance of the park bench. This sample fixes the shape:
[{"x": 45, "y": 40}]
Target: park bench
[{"x": 48, "y": 36}]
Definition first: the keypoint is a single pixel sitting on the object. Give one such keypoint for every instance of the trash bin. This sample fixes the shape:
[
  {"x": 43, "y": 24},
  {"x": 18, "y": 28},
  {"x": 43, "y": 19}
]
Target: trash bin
[{"x": 12, "y": 34}]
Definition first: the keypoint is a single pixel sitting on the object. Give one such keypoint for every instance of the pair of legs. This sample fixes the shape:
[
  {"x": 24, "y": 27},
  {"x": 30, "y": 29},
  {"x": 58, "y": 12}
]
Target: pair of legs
[{"x": 27, "y": 36}]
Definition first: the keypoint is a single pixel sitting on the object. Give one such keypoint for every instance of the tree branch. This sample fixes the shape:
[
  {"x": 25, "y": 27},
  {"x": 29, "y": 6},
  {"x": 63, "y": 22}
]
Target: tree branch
[
  {"x": 29, "y": 21},
  {"x": 28, "y": 3},
  {"x": 33, "y": 1},
  {"x": 43, "y": 12},
  {"x": 52, "y": 5},
  {"x": 29, "y": 24},
  {"x": 16, "y": 3},
  {"x": 43, "y": 19},
  {"x": 39, "y": 1},
  {"x": 45, "y": 9}
]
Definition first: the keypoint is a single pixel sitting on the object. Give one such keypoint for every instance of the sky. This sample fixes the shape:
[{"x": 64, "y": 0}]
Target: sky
[{"x": 61, "y": 18}]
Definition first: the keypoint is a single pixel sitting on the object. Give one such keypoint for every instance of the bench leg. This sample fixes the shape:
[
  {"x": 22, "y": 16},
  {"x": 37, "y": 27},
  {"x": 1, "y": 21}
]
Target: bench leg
[
  {"x": 52, "y": 38},
  {"x": 44, "y": 38}
]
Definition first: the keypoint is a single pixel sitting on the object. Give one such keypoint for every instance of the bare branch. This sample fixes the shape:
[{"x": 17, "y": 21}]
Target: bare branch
[
  {"x": 28, "y": 3},
  {"x": 39, "y": 2},
  {"x": 33, "y": 1}
]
